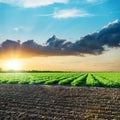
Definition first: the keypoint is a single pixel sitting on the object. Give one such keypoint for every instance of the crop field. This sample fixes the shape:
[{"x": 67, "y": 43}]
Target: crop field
[
  {"x": 99, "y": 79},
  {"x": 60, "y": 96}
]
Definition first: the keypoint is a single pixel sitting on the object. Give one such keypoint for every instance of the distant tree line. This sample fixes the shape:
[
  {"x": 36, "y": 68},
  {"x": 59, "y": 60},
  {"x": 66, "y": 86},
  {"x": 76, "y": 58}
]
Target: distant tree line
[
  {"x": 29, "y": 71},
  {"x": 0, "y": 69}
]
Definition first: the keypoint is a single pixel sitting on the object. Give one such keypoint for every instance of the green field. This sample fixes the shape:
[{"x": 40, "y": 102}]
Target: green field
[{"x": 99, "y": 79}]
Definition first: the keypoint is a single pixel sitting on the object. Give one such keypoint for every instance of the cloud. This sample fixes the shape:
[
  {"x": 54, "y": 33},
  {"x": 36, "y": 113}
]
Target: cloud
[
  {"x": 92, "y": 1},
  {"x": 70, "y": 13},
  {"x": 95, "y": 1},
  {"x": 32, "y": 3},
  {"x": 10, "y": 44},
  {"x": 111, "y": 24},
  {"x": 67, "y": 13},
  {"x": 94, "y": 43},
  {"x": 18, "y": 28}
]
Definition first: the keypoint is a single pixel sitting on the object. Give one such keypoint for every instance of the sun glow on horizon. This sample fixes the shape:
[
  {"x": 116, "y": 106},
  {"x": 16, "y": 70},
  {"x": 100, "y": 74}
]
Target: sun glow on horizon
[{"x": 13, "y": 64}]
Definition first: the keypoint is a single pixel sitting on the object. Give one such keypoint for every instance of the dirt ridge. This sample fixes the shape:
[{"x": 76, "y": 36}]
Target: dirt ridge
[{"x": 34, "y": 102}]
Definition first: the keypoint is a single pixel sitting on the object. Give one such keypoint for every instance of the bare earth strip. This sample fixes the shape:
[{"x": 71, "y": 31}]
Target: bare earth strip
[{"x": 30, "y": 102}]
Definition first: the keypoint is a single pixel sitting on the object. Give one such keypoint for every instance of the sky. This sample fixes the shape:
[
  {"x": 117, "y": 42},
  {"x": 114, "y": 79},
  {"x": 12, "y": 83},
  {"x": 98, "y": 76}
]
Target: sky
[{"x": 94, "y": 22}]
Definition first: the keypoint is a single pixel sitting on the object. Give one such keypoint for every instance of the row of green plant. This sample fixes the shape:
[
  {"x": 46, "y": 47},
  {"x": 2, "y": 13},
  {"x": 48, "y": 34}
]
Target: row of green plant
[{"x": 107, "y": 79}]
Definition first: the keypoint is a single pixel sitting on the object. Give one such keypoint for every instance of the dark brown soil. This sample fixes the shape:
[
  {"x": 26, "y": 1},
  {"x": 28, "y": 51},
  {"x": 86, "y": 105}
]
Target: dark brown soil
[{"x": 29, "y": 102}]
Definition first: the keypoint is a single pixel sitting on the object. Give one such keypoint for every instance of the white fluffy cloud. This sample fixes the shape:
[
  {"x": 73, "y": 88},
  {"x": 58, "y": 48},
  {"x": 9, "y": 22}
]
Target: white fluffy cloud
[
  {"x": 32, "y": 3},
  {"x": 70, "y": 13}
]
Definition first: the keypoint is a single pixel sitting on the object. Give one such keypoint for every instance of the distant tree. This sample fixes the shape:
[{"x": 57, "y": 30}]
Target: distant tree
[{"x": 0, "y": 69}]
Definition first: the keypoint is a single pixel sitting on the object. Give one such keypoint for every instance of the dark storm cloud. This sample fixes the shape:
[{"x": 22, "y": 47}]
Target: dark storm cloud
[
  {"x": 94, "y": 43},
  {"x": 90, "y": 44},
  {"x": 59, "y": 46},
  {"x": 8, "y": 44}
]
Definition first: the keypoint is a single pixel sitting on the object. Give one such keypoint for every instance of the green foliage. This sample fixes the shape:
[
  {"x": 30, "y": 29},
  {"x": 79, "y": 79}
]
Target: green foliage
[
  {"x": 12, "y": 82},
  {"x": 108, "y": 80},
  {"x": 79, "y": 81},
  {"x": 3, "y": 81},
  {"x": 104, "y": 79},
  {"x": 54, "y": 81},
  {"x": 67, "y": 80},
  {"x": 91, "y": 81}
]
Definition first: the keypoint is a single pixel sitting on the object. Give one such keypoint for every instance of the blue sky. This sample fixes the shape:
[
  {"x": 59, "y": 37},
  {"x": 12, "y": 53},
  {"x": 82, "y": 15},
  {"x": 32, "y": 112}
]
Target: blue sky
[{"x": 40, "y": 19}]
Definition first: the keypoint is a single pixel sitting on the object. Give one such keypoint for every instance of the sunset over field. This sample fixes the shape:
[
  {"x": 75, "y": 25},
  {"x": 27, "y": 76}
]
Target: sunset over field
[{"x": 62, "y": 35}]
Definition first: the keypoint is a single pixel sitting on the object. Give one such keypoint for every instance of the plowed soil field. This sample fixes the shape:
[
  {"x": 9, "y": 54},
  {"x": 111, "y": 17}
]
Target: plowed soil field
[{"x": 34, "y": 102}]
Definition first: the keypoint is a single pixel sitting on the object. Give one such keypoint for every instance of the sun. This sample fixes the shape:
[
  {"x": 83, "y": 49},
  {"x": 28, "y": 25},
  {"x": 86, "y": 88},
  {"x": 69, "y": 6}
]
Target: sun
[{"x": 13, "y": 64}]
